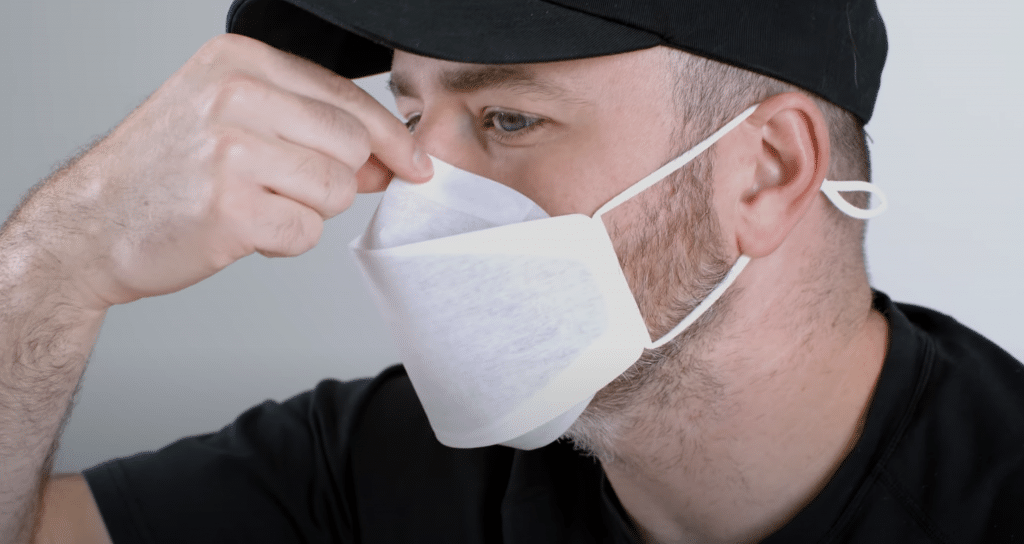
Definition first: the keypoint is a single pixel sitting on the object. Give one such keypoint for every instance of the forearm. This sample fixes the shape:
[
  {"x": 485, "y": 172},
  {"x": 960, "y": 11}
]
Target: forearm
[
  {"x": 245, "y": 149},
  {"x": 46, "y": 335}
]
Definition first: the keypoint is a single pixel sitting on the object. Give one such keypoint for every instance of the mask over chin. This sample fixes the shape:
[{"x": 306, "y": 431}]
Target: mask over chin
[{"x": 509, "y": 320}]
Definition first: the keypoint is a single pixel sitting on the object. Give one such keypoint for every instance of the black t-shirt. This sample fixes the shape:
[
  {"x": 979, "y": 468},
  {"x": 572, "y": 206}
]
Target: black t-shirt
[{"x": 941, "y": 459}]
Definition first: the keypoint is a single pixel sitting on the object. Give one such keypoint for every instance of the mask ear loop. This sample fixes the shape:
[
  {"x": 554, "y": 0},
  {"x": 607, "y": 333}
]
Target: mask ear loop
[
  {"x": 673, "y": 165},
  {"x": 659, "y": 175},
  {"x": 833, "y": 188},
  {"x": 705, "y": 304}
]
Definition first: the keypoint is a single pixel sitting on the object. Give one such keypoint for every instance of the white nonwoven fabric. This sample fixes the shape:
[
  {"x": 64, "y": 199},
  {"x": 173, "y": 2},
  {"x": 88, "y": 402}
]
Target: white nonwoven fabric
[{"x": 484, "y": 334}]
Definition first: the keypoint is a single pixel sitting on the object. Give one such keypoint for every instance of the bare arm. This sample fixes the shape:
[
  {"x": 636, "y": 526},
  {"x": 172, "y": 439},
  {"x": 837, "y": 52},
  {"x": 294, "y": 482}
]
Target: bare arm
[
  {"x": 46, "y": 335},
  {"x": 245, "y": 149}
]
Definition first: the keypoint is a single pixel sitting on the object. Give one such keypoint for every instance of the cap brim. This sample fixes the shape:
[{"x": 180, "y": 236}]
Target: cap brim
[{"x": 355, "y": 38}]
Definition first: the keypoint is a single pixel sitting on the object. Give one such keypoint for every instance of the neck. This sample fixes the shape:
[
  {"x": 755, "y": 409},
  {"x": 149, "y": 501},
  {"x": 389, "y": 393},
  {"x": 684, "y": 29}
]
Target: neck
[{"x": 728, "y": 445}]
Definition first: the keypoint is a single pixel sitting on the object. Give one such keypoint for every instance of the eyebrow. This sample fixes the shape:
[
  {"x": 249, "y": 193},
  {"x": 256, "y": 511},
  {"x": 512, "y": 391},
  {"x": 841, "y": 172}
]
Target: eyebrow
[{"x": 477, "y": 78}]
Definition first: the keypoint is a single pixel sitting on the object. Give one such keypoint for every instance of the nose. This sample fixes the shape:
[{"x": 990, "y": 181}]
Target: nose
[{"x": 450, "y": 137}]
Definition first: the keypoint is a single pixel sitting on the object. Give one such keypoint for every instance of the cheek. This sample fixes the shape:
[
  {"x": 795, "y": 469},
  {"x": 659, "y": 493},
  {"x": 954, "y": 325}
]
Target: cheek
[
  {"x": 560, "y": 182},
  {"x": 577, "y": 177},
  {"x": 586, "y": 167}
]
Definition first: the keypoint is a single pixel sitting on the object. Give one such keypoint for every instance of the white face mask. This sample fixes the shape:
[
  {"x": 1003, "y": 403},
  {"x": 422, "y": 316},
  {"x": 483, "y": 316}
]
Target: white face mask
[{"x": 508, "y": 320}]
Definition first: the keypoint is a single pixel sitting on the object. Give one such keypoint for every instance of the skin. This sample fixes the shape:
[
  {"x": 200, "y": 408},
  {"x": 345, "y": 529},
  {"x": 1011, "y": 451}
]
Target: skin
[{"x": 247, "y": 149}]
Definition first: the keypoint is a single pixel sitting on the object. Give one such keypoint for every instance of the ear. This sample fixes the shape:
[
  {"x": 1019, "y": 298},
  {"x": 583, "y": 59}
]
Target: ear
[{"x": 790, "y": 162}]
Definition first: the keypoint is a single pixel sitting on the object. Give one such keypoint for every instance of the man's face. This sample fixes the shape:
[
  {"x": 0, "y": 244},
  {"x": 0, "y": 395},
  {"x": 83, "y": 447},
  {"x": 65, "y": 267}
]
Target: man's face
[{"x": 571, "y": 135}]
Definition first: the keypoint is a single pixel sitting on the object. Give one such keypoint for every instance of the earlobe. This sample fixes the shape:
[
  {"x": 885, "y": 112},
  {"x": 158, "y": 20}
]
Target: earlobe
[{"x": 790, "y": 161}]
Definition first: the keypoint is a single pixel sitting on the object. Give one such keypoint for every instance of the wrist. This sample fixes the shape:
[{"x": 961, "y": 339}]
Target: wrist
[{"x": 44, "y": 253}]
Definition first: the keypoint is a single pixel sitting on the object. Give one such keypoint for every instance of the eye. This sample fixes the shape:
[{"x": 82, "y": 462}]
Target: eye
[
  {"x": 509, "y": 124},
  {"x": 412, "y": 122}
]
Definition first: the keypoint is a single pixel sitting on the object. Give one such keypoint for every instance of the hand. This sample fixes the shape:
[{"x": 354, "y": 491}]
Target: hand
[{"x": 245, "y": 149}]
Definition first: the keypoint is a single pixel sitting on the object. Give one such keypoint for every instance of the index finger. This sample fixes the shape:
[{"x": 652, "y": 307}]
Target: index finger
[{"x": 390, "y": 140}]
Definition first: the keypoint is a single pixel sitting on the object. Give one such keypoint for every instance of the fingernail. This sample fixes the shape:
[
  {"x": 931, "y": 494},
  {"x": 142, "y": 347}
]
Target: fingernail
[{"x": 423, "y": 162}]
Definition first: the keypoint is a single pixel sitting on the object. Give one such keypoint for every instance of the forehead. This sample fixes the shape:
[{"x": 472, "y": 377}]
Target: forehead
[{"x": 582, "y": 79}]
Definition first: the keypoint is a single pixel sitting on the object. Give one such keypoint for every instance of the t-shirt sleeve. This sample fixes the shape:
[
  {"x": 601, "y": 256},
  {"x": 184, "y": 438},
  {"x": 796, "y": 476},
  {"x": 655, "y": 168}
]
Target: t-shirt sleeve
[{"x": 276, "y": 474}]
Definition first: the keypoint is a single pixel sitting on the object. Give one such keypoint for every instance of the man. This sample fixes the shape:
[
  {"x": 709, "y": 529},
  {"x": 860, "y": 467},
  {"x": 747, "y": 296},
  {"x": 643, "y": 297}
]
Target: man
[{"x": 804, "y": 408}]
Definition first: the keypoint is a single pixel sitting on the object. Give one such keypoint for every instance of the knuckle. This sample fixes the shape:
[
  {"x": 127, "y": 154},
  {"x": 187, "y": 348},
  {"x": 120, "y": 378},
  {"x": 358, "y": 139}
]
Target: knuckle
[
  {"x": 359, "y": 152},
  {"x": 215, "y": 48},
  {"x": 329, "y": 179},
  {"x": 325, "y": 186},
  {"x": 224, "y": 41},
  {"x": 351, "y": 139},
  {"x": 339, "y": 190},
  {"x": 229, "y": 40},
  {"x": 355, "y": 135},
  {"x": 229, "y": 147},
  {"x": 230, "y": 162},
  {"x": 210, "y": 51},
  {"x": 298, "y": 234},
  {"x": 233, "y": 89},
  {"x": 238, "y": 84},
  {"x": 310, "y": 167},
  {"x": 359, "y": 147}
]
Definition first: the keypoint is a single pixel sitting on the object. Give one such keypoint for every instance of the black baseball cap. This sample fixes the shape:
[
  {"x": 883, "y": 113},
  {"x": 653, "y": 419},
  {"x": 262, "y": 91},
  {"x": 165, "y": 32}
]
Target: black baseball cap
[{"x": 833, "y": 48}]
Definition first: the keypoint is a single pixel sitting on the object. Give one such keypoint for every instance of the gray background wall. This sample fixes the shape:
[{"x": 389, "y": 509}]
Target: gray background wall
[{"x": 947, "y": 137}]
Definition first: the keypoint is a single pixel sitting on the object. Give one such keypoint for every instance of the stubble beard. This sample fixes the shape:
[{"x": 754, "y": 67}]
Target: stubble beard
[{"x": 672, "y": 263}]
